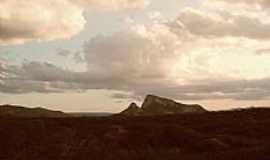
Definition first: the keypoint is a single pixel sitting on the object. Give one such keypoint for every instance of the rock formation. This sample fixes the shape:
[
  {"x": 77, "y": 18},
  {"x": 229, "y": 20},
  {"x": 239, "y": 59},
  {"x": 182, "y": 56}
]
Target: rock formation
[
  {"x": 154, "y": 105},
  {"x": 132, "y": 110}
]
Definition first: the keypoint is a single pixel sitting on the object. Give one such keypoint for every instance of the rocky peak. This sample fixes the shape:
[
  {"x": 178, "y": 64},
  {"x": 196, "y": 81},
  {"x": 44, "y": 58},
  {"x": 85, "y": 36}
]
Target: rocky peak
[
  {"x": 133, "y": 106},
  {"x": 151, "y": 100},
  {"x": 132, "y": 110},
  {"x": 154, "y": 105}
]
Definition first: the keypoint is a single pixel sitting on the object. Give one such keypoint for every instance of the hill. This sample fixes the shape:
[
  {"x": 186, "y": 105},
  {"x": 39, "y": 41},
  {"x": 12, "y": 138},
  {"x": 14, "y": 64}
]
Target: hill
[
  {"x": 154, "y": 105},
  {"x": 23, "y": 112},
  {"x": 90, "y": 114}
]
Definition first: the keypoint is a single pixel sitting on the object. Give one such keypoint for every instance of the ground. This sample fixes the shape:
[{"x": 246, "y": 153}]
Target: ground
[{"x": 231, "y": 135}]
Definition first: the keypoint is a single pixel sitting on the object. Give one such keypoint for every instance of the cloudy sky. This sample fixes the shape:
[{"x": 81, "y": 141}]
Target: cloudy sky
[{"x": 99, "y": 55}]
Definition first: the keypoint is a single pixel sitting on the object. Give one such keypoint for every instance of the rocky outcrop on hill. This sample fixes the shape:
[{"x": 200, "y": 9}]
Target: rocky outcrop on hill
[
  {"x": 132, "y": 110},
  {"x": 154, "y": 105}
]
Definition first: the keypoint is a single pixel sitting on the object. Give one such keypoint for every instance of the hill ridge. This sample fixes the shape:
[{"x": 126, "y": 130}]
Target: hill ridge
[{"x": 8, "y": 110}]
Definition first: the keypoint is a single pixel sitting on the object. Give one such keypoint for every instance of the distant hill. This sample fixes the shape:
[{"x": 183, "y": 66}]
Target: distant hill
[
  {"x": 90, "y": 114},
  {"x": 154, "y": 105},
  {"x": 20, "y": 111}
]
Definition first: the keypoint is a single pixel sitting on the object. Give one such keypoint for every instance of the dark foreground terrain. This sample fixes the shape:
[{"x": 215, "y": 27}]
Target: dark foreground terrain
[{"x": 232, "y": 135}]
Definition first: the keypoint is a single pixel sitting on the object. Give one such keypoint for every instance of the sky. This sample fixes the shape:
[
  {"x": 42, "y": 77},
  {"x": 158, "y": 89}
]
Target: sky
[{"x": 101, "y": 55}]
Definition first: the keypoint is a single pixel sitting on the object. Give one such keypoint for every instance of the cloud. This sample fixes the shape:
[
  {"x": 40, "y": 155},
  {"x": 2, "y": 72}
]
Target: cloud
[
  {"x": 136, "y": 62},
  {"x": 133, "y": 58},
  {"x": 141, "y": 52},
  {"x": 39, "y": 20},
  {"x": 47, "y": 78},
  {"x": 207, "y": 90},
  {"x": 219, "y": 89},
  {"x": 64, "y": 53},
  {"x": 252, "y": 3},
  {"x": 194, "y": 57},
  {"x": 213, "y": 25},
  {"x": 263, "y": 51},
  {"x": 22, "y": 21},
  {"x": 31, "y": 77},
  {"x": 111, "y": 4}
]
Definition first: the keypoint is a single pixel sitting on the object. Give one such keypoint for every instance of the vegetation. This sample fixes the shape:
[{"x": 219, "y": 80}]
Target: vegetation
[{"x": 231, "y": 135}]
